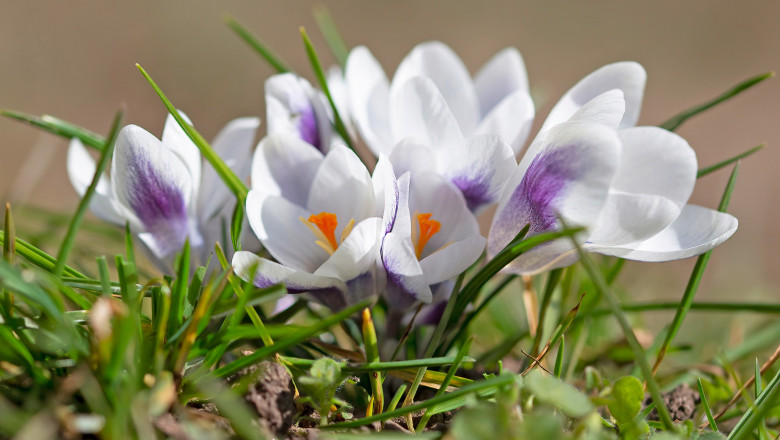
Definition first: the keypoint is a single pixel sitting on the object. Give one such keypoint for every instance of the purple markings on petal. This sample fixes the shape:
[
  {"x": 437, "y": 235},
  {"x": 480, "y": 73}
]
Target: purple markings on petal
[
  {"x": 307, "y": 125},
  {"x": 475, "y": 188},
  {"x": 534, "y": 200},
  {"x": 158, "y": 203}
]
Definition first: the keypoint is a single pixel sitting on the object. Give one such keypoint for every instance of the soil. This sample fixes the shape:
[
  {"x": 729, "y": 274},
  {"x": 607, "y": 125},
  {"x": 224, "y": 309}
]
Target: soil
[{"x": 681, "y": 403}]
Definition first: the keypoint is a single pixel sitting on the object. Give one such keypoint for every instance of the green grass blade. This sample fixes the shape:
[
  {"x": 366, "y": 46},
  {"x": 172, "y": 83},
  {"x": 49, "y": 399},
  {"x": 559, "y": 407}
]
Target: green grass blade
[
  {"x": 559, "y": 358},
  {"x": 706, "y": 404},
  {"x": 39, "y": 258},
  {"x": 292, "y": 340},
  {"x": 488, "y": 385},
  {"x": 331, "y": 33},
  {"x": 712, "y": 168},
  {"x": 509, "y": 253},
  {"x": 694, "y": 280},
  {"x": 59, "y": 127},
  {"x": 450, "y": 374},
  {"x": 757, "y": 382},
  {"x": 677, "y": 120},
  {"x": 105, "y": 277},
  {"x": 314, "y": 60},
  {"x": 552, "y": 282},
  {"x": 236, "y": 225},
  {"x": 764, "y": 402},
  {"x": 233, "y": 182},
  {"x": 70, "y": 236},
  {"x": 639, "y": 353},
  {"x": 396, "y": 398},
  {"x": 701, "y": 306},
  {"x": 129, "y": 248},
  {"x": 358, "y": 368},
  {"x": 179, "y": 287},
  {"x": 9, "y": 249},
  {"x": 236, "y": 285},
  {"x": 261, "y": 48}
]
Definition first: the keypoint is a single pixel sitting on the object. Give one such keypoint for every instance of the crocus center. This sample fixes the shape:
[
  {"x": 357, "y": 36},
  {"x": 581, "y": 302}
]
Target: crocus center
[
  {"x": 426, "y": 228},
  {"x": 323, "y": 226}
]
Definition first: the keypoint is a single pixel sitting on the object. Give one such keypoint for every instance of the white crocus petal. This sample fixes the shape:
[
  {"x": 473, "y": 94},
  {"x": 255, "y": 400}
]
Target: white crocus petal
[
  {"x": 356, "y": 254},
  {"x": 436, "y": 61},
  {"x": 656, "y": 161},
  {"x": 293, "y": 106},
  {"x": 500, "y": 77},
  {"x": 406, "y": 281},
  {"x": 569, "y": 177},
  {"x": 511, "y": 119},
  {"x": 175, "y": 139},
  {"x": 276, "y": 222},
  {"x": 342, "y": 186},
  {"x": 386, "y": 192},
  {"x": 369, "y": 101},
  {"x": 264, "y": 273},
  {"x": 81, "y": 169},
  {"x": 337, "y": 85},
  {"x": 479, "y": 166},
  {"x": 234, "y": 145},
  {"x": 418, "y": 110},
  {"x": 655, "y": 178},
  {"x": 155, "y": 187},
  {"x": 285, "y": 165},
  {"x": 606, "y": 109},
  {"x": 628, "y": 76},
  {"x": 410, "y": 155},
  {"x": 453, "y": 259},
  {"x": 696, "y": 230}
]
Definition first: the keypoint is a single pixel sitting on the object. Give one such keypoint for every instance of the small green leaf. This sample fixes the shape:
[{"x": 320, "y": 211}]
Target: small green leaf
[
  {"x": 626, "y": 402},
  {"x": 712, "y": 168},
  {"x": 331, "y": 33},
  {"x": 236, "y": 225},
  {"x": 559, "y": 394}
]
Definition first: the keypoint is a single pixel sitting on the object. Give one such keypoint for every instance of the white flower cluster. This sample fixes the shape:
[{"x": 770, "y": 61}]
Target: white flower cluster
[{"x": 446, "y": 145}]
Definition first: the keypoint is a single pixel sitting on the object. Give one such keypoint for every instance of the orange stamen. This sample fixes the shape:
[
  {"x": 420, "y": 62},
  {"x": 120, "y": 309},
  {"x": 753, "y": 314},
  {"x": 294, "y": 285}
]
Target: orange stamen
[
  {"x": 326, "y": 223},
  {"x": 428, "y": 228}
]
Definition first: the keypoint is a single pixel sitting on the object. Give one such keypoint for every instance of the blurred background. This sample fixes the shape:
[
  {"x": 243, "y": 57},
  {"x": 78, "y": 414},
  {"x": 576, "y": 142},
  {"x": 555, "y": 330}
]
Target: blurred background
[{"x": 75, "y": 60}]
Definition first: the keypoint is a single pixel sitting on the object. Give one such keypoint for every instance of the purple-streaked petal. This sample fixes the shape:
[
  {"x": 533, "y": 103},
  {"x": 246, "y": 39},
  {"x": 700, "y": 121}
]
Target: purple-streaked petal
[
  {"x": 628, "y": 76},
  {"x": 293, "y": 106},
  {"x": 385, "y": 193},
  {"x": 154, "y": 184},
  {"x": 369, "y": 99},
  {"x": 406, "y": 282},
  {"x": 511, "y": 119},
  {"x": 285, "y": 165},
  {"x": 355, "y": 255},
  {"x": 569, "y": 177},
  {"x": 453, "y": 259},
  {"x": 176, "y": 140},
  {"x": 606, "y": 109},
  {"x": 342, "y": 186},
  {"x": 696, "y": 230},
  {"x": 500, "y": 77},
  {"x": 436, "y": 61},
  {"x": 480, "y": 167},
  {"x": 276, "y": 222},
  {"x": 81, "y": 169},
  {"x": 418, "y": 110},
  {"x": 234, "y": 145},
  {"x": 264, "y": 273}
]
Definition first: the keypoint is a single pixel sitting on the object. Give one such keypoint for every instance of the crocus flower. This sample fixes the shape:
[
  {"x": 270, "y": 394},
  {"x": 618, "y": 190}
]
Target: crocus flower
[
  {"x": 320, "y": 217},
  {"x": 629, "y": 186},
  {"x": 433, "y": 117},
  {"x": 433, "y": 239},
  {"x": 162, "y": 188},
  {"x": 293, "y": 106},
  {"x": 496, "y": 101}
]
